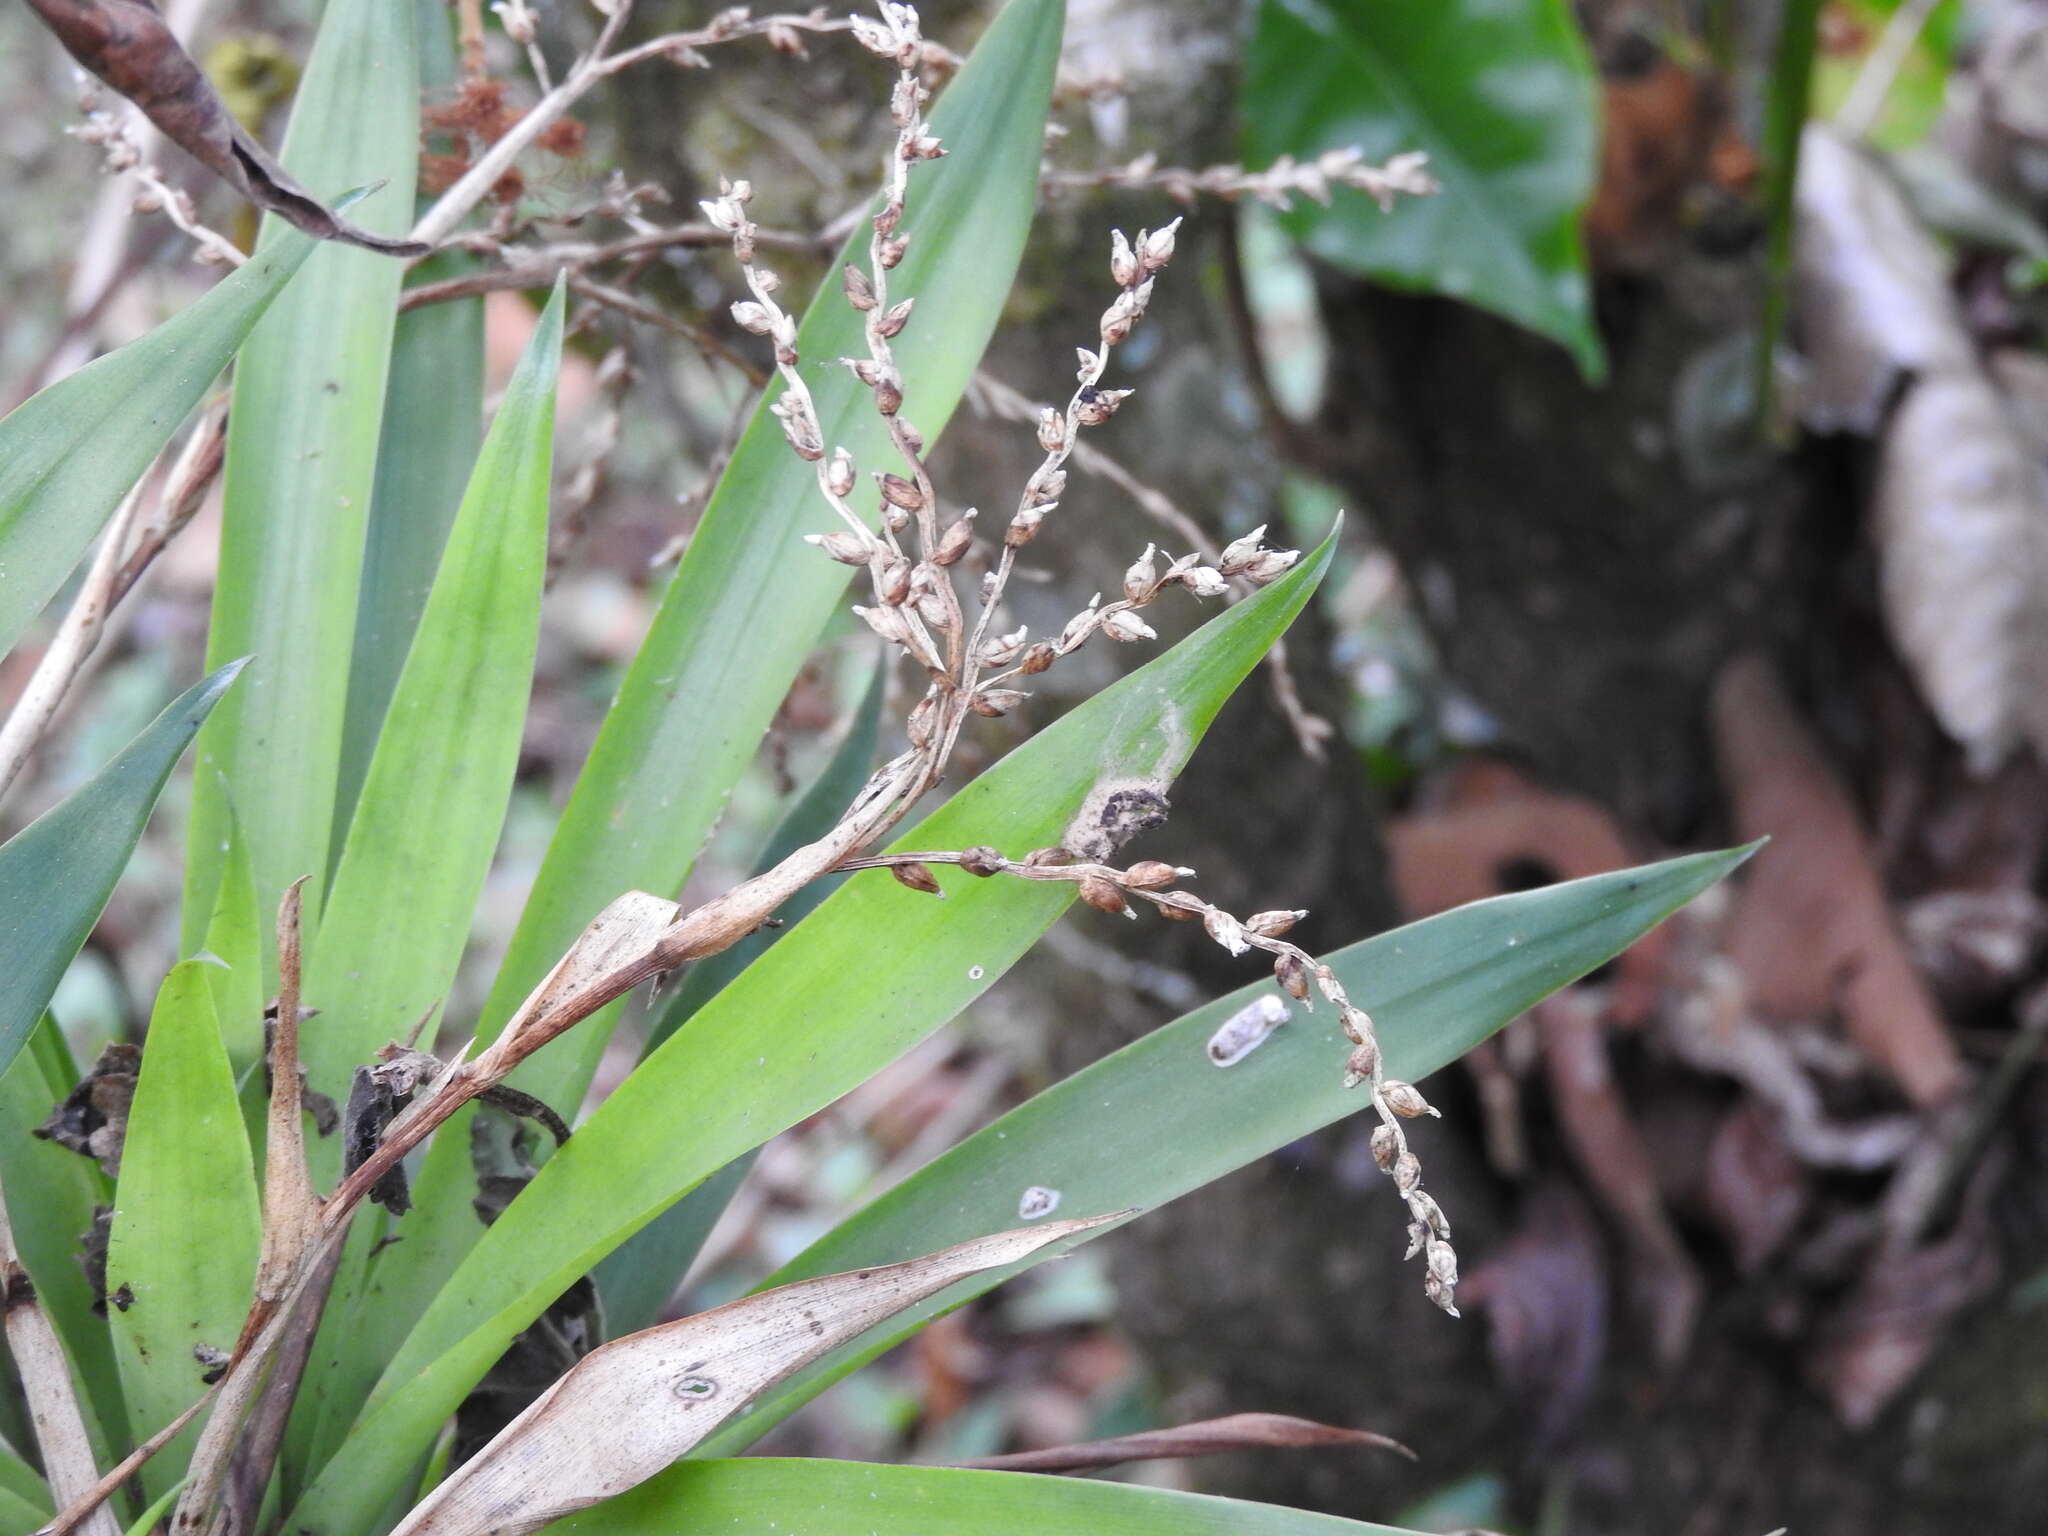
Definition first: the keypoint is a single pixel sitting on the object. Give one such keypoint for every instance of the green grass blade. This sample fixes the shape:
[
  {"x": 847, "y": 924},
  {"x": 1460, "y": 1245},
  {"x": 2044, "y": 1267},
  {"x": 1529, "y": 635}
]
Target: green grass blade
[
  {"x": 187, "y": 1219},
  {"x": 1505, "y": 101},
  {"x": 433, "y": 423},
  {"x": 234, "y": 937},
  {"x": 895, "y": 965},
  {"x": 850, "y": 1498},
  {"x": 24, "y": 1496},
  {"x": 51, "y": 1192},
  {"x": 749, "y": 601},
  {"x": 57, "y": 873},
  {"x": 430, "y": 813},
  {"x": 1785, "y": 110},
  {"x": 69, "y": 454},
  {"x": 301, "y": 456},
  {"x": 19, "y": 1515},
  {"x": 638, "y": 1278},
  {"x": 1114, "y": 1136}
]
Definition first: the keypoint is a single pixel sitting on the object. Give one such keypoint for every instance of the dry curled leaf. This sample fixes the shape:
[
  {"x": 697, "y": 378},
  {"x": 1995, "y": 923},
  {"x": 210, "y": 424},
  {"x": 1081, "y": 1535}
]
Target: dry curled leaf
[
  {"x": 129, "y": 46},
  {"x": 1206, "y": 1437},
  {"x": 93, "y": 1119},
  {"x": 632, "y": 1407}
]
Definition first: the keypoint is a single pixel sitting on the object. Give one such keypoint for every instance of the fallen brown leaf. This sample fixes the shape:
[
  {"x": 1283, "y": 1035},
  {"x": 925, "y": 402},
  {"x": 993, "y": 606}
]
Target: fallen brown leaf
[
  {"x": 128, "y": 45},
  {"x": 1205, "y": 1437}
]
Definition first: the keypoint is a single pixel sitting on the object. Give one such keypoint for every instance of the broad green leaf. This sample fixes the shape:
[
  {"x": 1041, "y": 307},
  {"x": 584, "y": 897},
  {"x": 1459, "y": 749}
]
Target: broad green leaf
[
  {"x": 24, "y": 1496},
  {"x": 1503, "y": 99},
  {"x": 433, "y": 422},
  {"x": 636, "y": 1280},
  {"x": 69, "y": 454},
  {"x": 57, "y": 873},
  {"x": 431, "y": 809},
  {"x": 849, "y": 1498},
  {"x": 301, "y": 457},
  {"x": 234, "y": 937},
  {"x": 894, "y": 964},
  {"x": 1114, "y": 1136},
  {"x": 187, "y": 1219},
  {"x": 51, "y": 1193},
  {"x": 749, "y": 600},
  {"x": 434, "y": 800}
]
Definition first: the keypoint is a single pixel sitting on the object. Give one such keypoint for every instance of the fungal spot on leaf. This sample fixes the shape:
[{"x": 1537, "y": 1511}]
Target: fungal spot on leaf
[
  {"x": 1246, "y": 1030},
  {"x": 1037, "y": 1202},
  {"x": 123, "y": 1299},
  {"x": 695, "y": 1389},
  {"x": 1115, "y": 811}
]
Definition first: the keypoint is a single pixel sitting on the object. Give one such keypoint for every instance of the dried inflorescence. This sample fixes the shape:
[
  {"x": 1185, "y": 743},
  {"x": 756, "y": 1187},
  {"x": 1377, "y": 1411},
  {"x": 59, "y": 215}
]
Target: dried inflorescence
[
  {"x": 1403, "y": 175},
  {"x": 910, "y": 556}
]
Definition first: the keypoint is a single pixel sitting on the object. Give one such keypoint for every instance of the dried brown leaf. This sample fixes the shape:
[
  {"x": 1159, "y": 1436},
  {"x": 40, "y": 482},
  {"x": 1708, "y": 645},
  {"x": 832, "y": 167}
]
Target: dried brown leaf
[
  {"x": 128, "y": 45},
  {"x": 1205, "y": 1437},
  {"x": 636, "y": 1405},
  {"x": 93, "y": 1119}
]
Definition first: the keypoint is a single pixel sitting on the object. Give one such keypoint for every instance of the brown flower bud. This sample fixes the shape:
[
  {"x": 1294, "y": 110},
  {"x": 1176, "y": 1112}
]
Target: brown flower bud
[
  {"x": 1151, "y": 875},
  {"x": 1364, "y": 1062},
  {"x": 1293, "y": 976},
  {"x": 1270, "y": 925},
  {"x": 860, "y": 292},
  {"x": 1102, "y": 896},
  {"x": 1407, "y": 1172},
  {"x": 1045, "y": 487},
  {"x": 1404, "y": 1099},
  {"x": 918, "y": 877},
  {"x": 1023, "y": 527},
  {"x": 891, "y": 248},
  {"x": 892, "y": 579},
  {"x": 1037, "y": 658},
  {"x": 936, "y": 612},
  {"x": 885, "y": 622},
  {"x": 982, "y": 860},
  {"x": 839, "y": 473},
  {"x": 1386, "y": 1147}
]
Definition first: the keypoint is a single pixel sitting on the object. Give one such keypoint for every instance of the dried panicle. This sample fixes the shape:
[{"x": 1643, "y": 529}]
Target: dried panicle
[{"x": 918, "y": 877}]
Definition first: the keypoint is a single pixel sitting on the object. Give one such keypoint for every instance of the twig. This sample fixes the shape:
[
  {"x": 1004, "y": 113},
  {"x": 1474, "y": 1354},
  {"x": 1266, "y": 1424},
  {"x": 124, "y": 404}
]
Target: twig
[
  {"x": 538, "y": 266},
  {"x": 107, "y": 581},
  {"x": 46, "y": 1383},
  {"x": 1403, "y": 175},
  {"x": 1874, "y": 80}
]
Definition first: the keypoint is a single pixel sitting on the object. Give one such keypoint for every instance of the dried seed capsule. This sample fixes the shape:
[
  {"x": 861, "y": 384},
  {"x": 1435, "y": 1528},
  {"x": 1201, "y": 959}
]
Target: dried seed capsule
[
  {"x": 846, "y": 548},
  {"x": 1439, "y": 1293},
  {"x": 1102, "y": 896},
  {"x": 1181, "y": 906},
  {"x": 860, "y": 292},
  {"x": 890, "y": 249},
  {"x": 1357, "y": 1024},
  {"x": 918, "y": 877},
  {"x": 1045, "y": 487},
  {"x": 1442, "y": 1260},
  {"x": 1365, "y": 1060},
  {"x": 1023, "y": 527},
  {"x": 1407, "y": 1172},
  {"x": 1205, "y": 581},
  {"x": 1293, "y": 976},
  {"x": 1128, "y": 627},
  {"x": 994, "y": 703},
  {"x": 1155, "y": 250},
  {"x": 1141, "y": 577},
  {"x": 1037, "y": 658},
  {"x": 1386, "y": 1147},
  {"x": 892, "y": 579},
  {"x": 1270, "y": 565},
  {"x": 1225, "y": 930},
  {"x": 753, "y": 317},
  {"x": 883, "y": 621},
  {"x": 1239, "y": 553},
  {"x": 900, "y": 492},
  {"x": 982, "y": 860},
  {"x": 889, "y": 393},
  {"x": 956, "y": 540},
  {"x": 839, "y": 473},
  {"x": 1152, "y": 875},
  {"x": 1404, "y": 1099},
  {"x": 1123, "y": 261},
  {"x": 1048, "y": 858},
  {"x": 1052, "y": 429},
  {"x": 1270, "y": 925},
  {"x": 936, "y": 612},
  {"x": 1095, "y": 406},
  {"x": 895, "y": 318}
]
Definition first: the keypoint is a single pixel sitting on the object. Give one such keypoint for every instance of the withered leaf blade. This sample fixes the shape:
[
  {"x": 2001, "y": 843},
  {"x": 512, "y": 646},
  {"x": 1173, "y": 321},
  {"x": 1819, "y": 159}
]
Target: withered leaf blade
[
  {"x": 1204, "y": 1437},
  {"x": 127, "y": 44},
  {"x": 638, "y": 1404}
]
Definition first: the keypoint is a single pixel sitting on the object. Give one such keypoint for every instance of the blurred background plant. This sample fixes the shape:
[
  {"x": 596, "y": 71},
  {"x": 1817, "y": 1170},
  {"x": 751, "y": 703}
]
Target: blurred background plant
[{"x": 1693, "y": 441}]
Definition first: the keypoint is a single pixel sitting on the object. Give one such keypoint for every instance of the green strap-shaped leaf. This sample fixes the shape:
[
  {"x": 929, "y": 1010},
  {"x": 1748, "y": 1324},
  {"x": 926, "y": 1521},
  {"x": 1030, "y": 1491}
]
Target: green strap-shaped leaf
[
  {"x": 24, "y": 1496},
  {"x": 181, "y": 1263},
  {"x": 749, "y": 600},
  {"x": 637, "y": 1279},
  {"x": 69, "y": 454},
  {"x": 57, "y": 873},
  {"x": 1114, "y": 1136},
  {"x": 234, "y": 937},
  {"x": 848, "y": 990},
  {"x": 301, "y": 458},
  {"x": 431, "y": 809},
  {"x": 849, "y": 1498},
  {"x": 51, "y": 1193},
  {"x": 1504, "y": 101}
]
